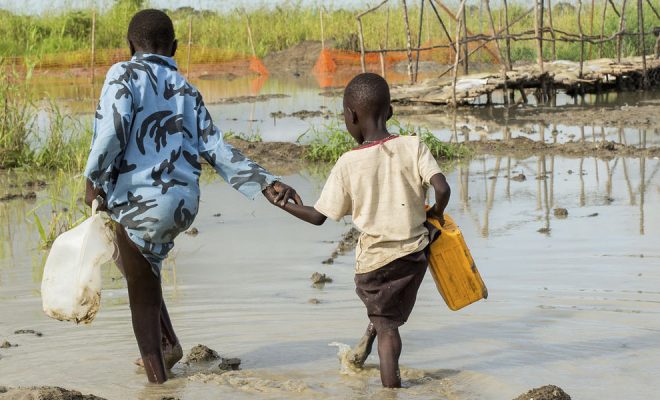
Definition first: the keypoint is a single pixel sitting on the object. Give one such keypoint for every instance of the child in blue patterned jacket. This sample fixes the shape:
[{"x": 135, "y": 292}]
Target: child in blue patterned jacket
[{"x": 150, "y": 129}]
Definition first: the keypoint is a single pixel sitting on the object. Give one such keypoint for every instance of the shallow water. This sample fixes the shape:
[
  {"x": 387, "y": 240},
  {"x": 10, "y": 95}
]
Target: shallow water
[{"x": 576, "y": 306}]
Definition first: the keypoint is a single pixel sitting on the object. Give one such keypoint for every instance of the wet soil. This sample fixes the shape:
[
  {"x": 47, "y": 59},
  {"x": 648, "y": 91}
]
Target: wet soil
[
  {"x": 201, "y": 353},
  {"x": 18, "y": 196},
  {"x": 281, "y": 158},
  {"x": 44, "y": 393},
  {"x": 250, "y": 99},
  {"x": 522, "y": 146},
  {"x": 320, "y": 279},
  {"x": 296, "y": 60},
  {"x": 548, "y": 392},
  {"x": 28, "y": 332}
]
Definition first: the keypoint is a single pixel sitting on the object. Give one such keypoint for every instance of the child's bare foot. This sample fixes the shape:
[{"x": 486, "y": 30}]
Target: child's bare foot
[
  {"x": 171, "y": 356},
  {"x": 358, "y": 355}
]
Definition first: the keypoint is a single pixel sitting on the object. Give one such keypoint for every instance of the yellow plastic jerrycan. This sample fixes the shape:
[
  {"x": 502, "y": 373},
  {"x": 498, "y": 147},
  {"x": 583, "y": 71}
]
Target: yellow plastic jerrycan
[{"x": 453, "y": 268}]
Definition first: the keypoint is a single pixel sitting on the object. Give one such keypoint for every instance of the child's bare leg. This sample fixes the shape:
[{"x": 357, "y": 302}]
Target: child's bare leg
[
  {"x": 362, "y": 350},
  {"x": 145, "y": 297},
  {"x": 172, "y": 351},
  {"x": 389, "y": 350}
]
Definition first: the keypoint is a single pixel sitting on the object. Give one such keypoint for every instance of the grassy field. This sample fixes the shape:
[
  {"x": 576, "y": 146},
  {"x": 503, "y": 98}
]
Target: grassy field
[{"x": 48, "y": 36}]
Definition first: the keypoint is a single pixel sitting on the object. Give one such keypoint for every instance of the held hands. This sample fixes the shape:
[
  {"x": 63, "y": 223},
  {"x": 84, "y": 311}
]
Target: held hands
[{"x": 278, "y": 194}]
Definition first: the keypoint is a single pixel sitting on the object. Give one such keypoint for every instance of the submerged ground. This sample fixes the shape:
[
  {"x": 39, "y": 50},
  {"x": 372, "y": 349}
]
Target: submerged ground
[{"x": 573, "y": 299}]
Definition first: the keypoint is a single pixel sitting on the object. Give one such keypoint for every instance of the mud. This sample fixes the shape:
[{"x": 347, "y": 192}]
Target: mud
[
  {"x": 281, "y": 158},
  {"x": 295, "y": 61},
  {"x": 250, "y": 99},
  {"x": 304, "y": 114},
  {"x": 28, "y": 332},
  {"x": 560, "y": 212},
  {"x": 320, "y": 279},
  {"x": 201, "y": 353},
  {"x": 522, "y": 146},
  {"x": 230, "y": 364},
  {"x": 44, "y": 393},
  {"x": 548, "y": 392},
  {"x": 346, "y": 244},
  {"x": 6, "y": 345},
  {"x": 192, "y": 232},
  {"x": 253, "y": 382},
  {"x": 18, "y": 196}
]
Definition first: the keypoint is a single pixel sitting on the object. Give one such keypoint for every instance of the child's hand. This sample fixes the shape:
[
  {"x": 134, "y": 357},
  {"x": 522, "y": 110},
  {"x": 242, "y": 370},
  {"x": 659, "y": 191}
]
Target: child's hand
[
  {"x": 279, "y": 194},
  {"x": 433, "y": 212}
]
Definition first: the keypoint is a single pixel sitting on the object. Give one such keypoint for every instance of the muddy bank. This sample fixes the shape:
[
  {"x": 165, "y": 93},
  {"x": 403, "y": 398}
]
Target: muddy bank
[
  {"x": 44, "y": 393},
  {"x": 281, "y": 158},
  {"x": 285, "y": 158},
  {"x": 522, "y": 146},
  {"x": 249, "y": 99},
  {"x": 548, "y": 392}
]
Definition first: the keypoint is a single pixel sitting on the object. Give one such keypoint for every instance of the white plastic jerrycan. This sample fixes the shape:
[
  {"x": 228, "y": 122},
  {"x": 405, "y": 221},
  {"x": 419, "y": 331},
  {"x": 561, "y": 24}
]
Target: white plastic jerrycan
[{"x": 71, "y": 286}]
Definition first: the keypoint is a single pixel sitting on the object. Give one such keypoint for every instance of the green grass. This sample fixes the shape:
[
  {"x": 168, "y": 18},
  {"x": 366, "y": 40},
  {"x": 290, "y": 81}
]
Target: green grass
[
  {"x": 48, "y": 36},
  {"x": 330, "y": 141},
  {"x": 63, "y": 143}
]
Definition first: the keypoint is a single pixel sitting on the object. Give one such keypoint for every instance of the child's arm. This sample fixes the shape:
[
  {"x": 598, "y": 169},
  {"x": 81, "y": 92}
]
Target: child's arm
[
  {"x": 298, "y": 210},
  {"x": 442, "y": 193}
]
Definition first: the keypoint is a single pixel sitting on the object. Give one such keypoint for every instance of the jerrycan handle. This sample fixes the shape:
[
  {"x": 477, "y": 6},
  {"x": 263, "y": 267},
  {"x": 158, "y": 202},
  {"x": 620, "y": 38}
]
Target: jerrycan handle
[{"x": 95, "y": 206}]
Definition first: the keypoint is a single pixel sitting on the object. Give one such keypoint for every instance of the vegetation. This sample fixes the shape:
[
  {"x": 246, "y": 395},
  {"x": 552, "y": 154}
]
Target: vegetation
[
  {"x": 223, "y": 35},
  {"x": 331, "y": 141},
  {"x": 59, "y": 141}
]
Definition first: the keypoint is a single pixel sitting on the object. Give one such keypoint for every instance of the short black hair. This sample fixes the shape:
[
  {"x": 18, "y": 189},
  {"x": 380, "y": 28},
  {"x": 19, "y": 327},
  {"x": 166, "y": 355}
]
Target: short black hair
[
  {"x": 369, "y": 93},
  {"x": 151, "y": 30}
]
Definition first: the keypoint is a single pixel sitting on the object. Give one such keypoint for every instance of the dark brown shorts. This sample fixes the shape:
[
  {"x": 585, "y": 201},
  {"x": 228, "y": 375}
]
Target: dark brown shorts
[{"x": 390, "y": 291}]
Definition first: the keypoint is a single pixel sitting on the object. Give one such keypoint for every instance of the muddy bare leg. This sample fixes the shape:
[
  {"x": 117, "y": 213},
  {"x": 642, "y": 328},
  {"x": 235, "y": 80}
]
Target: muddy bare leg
[
  {"x": 389, "y": 350},
  {"x": 172, "y": 351},
  {"x": 145, "y": 297},
  {"x": 362, "y": 350}
]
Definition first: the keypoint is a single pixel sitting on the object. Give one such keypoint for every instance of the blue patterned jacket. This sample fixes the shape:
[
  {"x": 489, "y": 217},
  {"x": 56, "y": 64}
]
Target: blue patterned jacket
[{"x": 150, "y": 131}]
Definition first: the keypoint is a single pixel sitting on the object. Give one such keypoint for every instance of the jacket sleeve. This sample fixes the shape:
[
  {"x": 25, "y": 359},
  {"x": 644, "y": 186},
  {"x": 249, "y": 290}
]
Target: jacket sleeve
[
  {"x": 112, "y": 122},
  {"x": 240, "y": 172}
]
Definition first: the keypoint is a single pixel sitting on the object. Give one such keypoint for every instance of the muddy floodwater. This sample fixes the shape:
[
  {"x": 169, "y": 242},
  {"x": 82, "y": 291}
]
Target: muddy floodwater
[{"x": 567, "y": 246}]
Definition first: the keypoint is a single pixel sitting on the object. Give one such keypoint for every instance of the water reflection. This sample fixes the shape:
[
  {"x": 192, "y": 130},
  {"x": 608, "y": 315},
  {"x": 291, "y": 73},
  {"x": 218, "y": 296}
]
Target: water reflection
[{"x": 484, "y": 185}]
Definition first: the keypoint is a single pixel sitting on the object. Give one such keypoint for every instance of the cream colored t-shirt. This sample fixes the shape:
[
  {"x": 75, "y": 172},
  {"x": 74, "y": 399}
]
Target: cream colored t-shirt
[{"x": 383, "y": 186}]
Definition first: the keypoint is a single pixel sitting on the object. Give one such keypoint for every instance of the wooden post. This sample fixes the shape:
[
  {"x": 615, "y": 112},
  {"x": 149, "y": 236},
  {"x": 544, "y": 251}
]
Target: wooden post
[
  {"x": 408, "y": 40},
  {"x": 322, "y": 31},
  {"x": 622, "y": 27},
  {"x": 458, "y": 41},
  {"x": 508, "y": 37},
  {"x": 552, "y": 32},
  {"x": 591, "y": 25},
  {"x": 93, "y": 61},
  {"x": 538, "y": 21},
  {"x": 363, "y": 62},
  {"x": 419, "y": 39},
  {"x": 190, "y": 43},
  {"x": 492, "y": 30},
  {"x": 579, "y": 21},
  {"x": 602, "y": 30},
  {"x": 642, "y": 47},
  {"x": 466, "y": 56},
  {"x": 382, "y": 62},
  {"x": 442, "y": 25}
]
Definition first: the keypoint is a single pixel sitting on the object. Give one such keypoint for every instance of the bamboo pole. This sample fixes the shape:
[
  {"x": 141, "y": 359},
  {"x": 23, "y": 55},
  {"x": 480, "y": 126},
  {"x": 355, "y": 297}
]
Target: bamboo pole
[
  {"x": 579, "y": 21},
  {"x": 642, "y": 47},
  {"x": 93, "y": 60},
  {"x": 508, "y": 38},
  {"x": 538, "y": 21},
  {"x": 622, "y": 26},
  {"x": 602, "y": 30},
  {"x": 382, "y": 63},
  {"x": 363, "y": 63},
  {"x": 408, "y": 40},
  {"x": 552, "y": 32},
  {"x": 653, "y": 9},
  {"x": 190, "y": 44},
  {"x": 419, "y": 38},
  {"x": 458, "y": 40},
  {"x": 591, "y": 25},
  {"x": 442, "y": 25},
  {"x": 492, "y": 29},
  {"x": 466, "y": 56},
  {"x": 322, "y": 30},
  {"x": 614, "y": 8}
]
